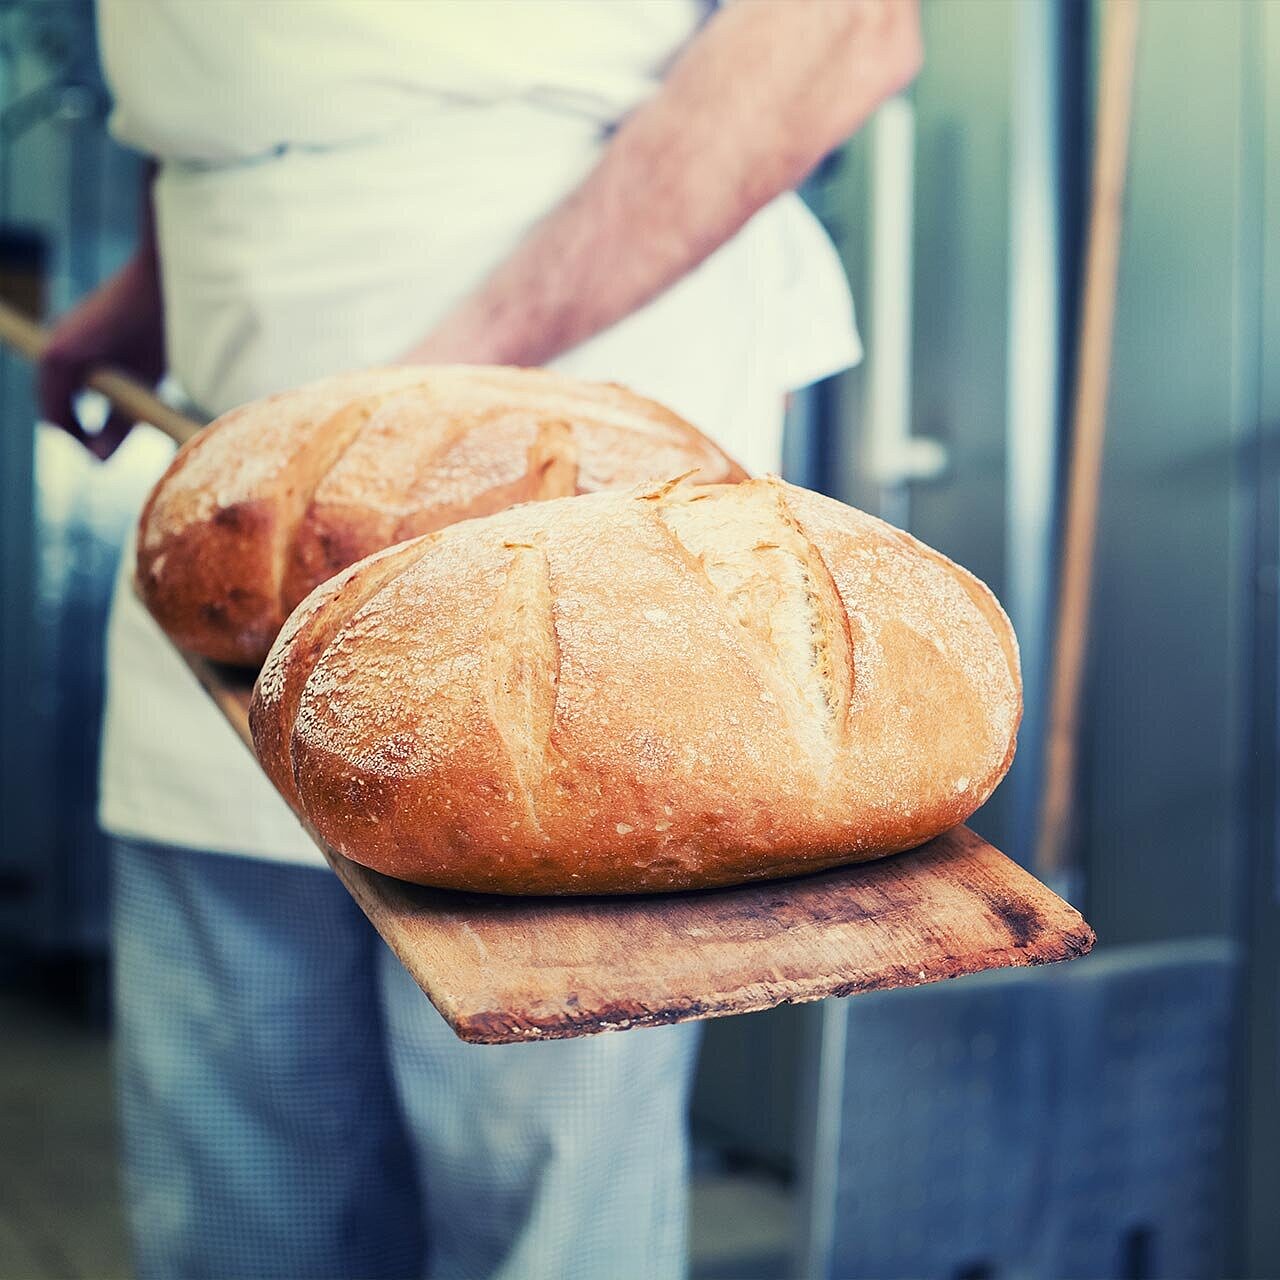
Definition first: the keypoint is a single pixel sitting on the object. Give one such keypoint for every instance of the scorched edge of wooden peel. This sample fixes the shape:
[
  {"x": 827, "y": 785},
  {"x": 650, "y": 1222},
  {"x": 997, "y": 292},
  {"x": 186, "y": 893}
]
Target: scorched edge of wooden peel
[{"x": 506, "y": 970}]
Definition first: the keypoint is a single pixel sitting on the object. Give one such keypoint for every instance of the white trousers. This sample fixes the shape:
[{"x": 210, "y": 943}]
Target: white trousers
[{"x": 293, "y": 1106}]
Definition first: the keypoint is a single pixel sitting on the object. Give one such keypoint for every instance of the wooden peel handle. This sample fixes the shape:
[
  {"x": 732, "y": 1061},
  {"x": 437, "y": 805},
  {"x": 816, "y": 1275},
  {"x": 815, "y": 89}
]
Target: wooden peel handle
[
  {"x": 1088, "y": 432},
  {"x": 128, "y": 395}
]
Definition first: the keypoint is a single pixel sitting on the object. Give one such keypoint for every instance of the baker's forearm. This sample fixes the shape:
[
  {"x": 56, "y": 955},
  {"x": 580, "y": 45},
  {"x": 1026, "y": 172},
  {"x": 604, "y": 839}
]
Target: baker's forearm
[
  {"x": 119, "y": 323},
  {"x": 762, "y": 94}
]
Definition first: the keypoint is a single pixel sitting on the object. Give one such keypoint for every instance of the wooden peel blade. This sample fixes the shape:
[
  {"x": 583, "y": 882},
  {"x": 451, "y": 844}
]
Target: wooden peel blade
[{"x": 504, "y": 970}]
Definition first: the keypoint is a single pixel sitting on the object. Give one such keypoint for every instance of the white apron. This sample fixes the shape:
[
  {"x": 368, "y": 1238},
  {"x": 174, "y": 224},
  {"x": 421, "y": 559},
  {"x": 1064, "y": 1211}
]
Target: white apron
[{"x": 342, "y": 242}]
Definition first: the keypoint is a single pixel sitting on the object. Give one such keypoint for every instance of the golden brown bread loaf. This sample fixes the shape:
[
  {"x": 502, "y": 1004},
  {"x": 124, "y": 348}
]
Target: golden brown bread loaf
[
  {"x": 630, "y": 692},
  {"x": 277, "y": 496}
]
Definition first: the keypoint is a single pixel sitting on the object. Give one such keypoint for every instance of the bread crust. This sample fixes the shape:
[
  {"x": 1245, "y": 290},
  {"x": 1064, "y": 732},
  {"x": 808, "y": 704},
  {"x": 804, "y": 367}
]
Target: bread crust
[
  {"x": 670, "y": 688},
  {"x": 277, "y": 496}
]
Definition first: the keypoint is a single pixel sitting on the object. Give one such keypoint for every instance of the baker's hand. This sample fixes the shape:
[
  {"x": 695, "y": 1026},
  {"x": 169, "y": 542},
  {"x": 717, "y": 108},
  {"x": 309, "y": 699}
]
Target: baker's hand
[{"x": 120, "y": 324}]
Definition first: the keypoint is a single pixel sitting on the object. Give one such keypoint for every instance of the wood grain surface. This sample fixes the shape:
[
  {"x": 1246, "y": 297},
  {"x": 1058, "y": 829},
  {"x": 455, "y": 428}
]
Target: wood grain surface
[{"x": 502, "y": 970}]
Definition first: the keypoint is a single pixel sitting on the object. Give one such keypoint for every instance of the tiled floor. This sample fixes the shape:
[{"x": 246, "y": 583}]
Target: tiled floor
[
  {"x": 59, "y": 1203},
  {"x": 59, "y": 1200}
]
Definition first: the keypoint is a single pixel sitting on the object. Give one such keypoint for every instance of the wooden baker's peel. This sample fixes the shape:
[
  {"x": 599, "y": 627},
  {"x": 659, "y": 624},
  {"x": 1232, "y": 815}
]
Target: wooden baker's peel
[{"x": 507, "y": 970}]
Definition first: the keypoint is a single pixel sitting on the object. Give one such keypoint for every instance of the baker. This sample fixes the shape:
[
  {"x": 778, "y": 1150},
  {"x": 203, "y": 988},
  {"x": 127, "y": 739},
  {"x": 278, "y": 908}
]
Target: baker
[{"x": 605, "y": 186}]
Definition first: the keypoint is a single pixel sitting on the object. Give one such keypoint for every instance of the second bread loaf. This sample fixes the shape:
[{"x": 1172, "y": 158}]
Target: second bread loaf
[{"x": 279, "y": 495}]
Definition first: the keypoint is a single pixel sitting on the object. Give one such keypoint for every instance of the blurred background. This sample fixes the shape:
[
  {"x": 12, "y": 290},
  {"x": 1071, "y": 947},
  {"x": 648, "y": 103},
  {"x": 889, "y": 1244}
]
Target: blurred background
[{"x": 1118, "y": 1117}]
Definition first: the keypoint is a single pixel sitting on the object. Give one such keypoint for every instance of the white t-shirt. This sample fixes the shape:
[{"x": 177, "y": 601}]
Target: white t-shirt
[{"x": 333, "y": 177}]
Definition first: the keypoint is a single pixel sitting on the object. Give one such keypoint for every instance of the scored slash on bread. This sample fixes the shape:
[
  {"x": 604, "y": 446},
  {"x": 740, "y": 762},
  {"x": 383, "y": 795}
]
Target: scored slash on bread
[
  {"x": 675, "y": 687},
  {"x": 279, "y": 495}
]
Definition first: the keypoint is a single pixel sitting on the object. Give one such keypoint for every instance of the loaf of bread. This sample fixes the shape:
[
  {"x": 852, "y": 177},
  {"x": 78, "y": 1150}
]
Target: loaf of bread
[
  {"x": 279, "y": 495},
  {"x": 673, "y": 687}
]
